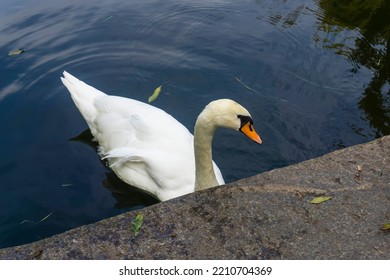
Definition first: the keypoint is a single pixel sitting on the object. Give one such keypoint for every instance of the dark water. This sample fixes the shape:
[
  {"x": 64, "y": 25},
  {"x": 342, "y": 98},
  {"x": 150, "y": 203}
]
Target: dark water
[{"x": 314, "y": 75}]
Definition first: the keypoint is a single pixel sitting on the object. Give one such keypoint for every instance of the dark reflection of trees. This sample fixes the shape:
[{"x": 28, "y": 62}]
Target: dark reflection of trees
[
  {"x": 372, "y": 19},
  {"x": 369, "y": 47}
]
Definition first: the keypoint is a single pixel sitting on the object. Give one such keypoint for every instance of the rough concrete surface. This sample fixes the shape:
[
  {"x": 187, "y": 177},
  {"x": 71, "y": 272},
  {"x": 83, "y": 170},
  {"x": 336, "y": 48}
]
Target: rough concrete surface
[{"x": 268, "y": 216}]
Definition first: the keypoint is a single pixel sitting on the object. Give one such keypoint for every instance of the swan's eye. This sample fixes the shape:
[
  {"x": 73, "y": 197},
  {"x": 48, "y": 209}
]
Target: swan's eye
[{"x": 245, "y": 120}]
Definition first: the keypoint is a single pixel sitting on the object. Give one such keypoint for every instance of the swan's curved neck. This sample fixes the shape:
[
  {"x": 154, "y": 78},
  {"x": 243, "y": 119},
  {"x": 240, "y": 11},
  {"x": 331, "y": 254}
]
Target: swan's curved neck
[{"x": 203, "y": 138}]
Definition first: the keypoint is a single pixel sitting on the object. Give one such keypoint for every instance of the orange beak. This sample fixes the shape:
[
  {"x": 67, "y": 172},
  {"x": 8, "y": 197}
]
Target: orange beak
[{"x": 249, "y": 131}]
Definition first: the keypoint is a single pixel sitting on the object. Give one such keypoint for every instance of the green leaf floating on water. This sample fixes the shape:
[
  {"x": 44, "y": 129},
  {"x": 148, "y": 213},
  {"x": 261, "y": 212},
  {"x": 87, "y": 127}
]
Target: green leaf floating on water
[
  {"x": 137, "y": 223},
  {"x": 386, "y": 227},
  {"x": 15, "y": 52},
  {"x": 320, "y": 199},
  {"x": 155, "y": 94}
]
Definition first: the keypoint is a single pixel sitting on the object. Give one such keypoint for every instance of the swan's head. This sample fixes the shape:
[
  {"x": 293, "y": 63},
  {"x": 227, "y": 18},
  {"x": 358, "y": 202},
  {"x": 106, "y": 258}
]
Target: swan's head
[{"x": 228, "y": 113}]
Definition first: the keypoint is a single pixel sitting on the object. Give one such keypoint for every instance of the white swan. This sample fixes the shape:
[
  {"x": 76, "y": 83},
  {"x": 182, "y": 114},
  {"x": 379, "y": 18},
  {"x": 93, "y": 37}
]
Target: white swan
[{"x": 148, "y": 148}]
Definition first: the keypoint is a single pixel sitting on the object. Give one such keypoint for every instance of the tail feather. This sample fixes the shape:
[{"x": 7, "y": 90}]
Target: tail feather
[
  {"x": 122, "y": 154},
  {"x": 84, "y": 97}
]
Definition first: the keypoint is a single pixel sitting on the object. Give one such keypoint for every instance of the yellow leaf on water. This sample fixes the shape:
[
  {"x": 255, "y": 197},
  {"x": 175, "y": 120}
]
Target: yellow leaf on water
[
  {"x": 15, "y": 52},
  {"x": 155, "y": 94},
  {"x": 320, "y": 199}
]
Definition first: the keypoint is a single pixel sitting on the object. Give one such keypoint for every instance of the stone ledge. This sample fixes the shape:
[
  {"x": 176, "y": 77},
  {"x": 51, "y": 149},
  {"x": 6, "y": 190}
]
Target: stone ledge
[{"x": 267, "y": 216}]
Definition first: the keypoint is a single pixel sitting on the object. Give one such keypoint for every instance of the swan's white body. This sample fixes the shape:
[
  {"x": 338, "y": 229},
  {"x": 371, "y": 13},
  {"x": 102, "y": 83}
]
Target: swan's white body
[{"x": 146, "y": 147}]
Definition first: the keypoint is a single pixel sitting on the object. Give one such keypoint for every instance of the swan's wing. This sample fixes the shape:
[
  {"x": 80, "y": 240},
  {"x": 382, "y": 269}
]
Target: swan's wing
[
  {"x": 123, "y": 122},
  {"x": 145, "y": 146}
]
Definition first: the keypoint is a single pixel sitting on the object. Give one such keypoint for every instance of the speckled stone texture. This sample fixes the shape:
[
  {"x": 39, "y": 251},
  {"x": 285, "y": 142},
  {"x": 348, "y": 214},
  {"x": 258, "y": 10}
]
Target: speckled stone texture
[{"x": 267, "y": 216}]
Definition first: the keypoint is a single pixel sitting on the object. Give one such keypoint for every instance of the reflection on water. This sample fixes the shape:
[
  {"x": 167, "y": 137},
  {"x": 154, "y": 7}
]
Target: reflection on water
[
  {"x": 360, "y": 32},
  {"x": 126, "y": 196},
  {"x": 369, "y": 49},
  {"x": 314, "y": 75}
]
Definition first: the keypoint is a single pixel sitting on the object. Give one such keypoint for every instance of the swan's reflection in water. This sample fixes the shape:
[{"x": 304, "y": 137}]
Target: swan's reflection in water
[{"x": 127, "y": 196}]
